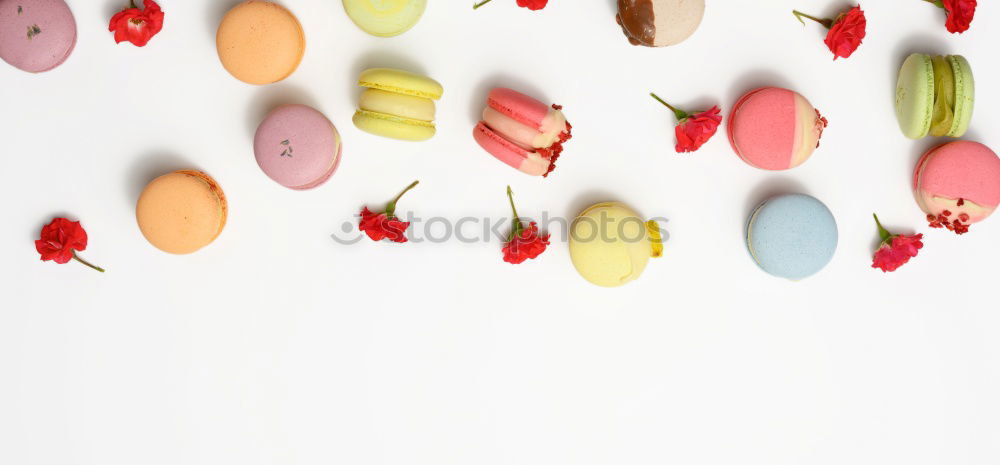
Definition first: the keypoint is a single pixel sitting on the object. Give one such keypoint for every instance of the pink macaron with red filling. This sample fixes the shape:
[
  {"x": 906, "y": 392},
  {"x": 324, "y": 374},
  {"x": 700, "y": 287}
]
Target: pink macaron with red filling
[
  {"x": 36, "y": 35},
  {"x": 774, "y": 129},
  {"x": 522, "y": 132},
  {"x": 957, "y": 184},
  {"x": 297, "y": 147}
]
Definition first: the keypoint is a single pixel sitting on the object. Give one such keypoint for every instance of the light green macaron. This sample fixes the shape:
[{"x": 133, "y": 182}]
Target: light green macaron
[
  {"x": 385, "y": 18},
  {"x": 934, "y": 96}
]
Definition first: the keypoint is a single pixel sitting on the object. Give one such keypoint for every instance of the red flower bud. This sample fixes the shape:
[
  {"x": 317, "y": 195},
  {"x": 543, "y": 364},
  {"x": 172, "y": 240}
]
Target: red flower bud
[
  {"x": 135, "y": 25},
  {"x": 895, "y": 250}
]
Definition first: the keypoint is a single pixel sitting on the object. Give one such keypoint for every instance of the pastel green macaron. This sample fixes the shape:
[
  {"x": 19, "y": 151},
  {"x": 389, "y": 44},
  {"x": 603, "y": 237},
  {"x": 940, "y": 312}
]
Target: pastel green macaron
[
  {"x": 934, "y": 96},
  {"x": 385, "y": 18},
  {"x": 397, "y": 104}
]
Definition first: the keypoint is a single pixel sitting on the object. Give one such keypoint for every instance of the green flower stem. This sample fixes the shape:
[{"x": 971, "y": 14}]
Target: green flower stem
[
  {"x": 518, "y": 226},
  {"x": 77, "y": 258},
  {"x": 827, "y": 23},
  {"x": 390, "y": 209},
  {"x": 882, "y": 232},
  {"x": 680, "y": 114},
  {"x": 132, "y": 3},
  {"x": 480, "y": 4},
  {"x": 937, "y": 3}
]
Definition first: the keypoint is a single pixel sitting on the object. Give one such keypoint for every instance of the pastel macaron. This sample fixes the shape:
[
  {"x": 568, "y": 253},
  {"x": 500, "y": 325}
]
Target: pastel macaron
[
  {"x": 935, "y": 96},
  {"x": 774, "y": 129},
  {"x": 385, "y": 18},
  {"x": 260, "y": 42},
  {"x": 522, "y": 132},
  {"x": 610, "y": 244},
  {"x": 181, "y": 212},
  {"x": 658, "y": 23},
  {"x": 297, "y": 147},
  {"x": 957, "y": 184},
  {"x": 397, "y": 104},
  {"x": 792, "y": 236},
  {"x": 36, "y": 35}
]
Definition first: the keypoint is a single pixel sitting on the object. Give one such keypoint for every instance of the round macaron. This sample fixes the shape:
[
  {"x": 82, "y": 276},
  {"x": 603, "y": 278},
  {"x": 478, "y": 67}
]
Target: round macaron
[
  {"x": 774, "y": 129},
  {"x": 297, "y": 147},
  {"x": 385, "y": 18},
  {"x": 181, "y": 212},
  {"x": 397, "y": 104},
  {"x": 957, "y": 184},
  {"x": 36, "y": 35},
  {"x": 522, "y": 132},
  {"x": 610, "y": 244},
  {"x": 658, "y": 23},
  {"x": 792, "y": 236},
  {"x": 260, "y": 42},
  {"x": 935, "y": 96}
]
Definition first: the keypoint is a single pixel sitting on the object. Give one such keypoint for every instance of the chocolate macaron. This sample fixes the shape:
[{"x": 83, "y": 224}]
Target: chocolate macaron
[{"x": 659, "y": 23}]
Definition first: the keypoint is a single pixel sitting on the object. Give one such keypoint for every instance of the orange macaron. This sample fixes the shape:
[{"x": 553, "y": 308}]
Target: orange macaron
[
  {"x": 181, "y": 212},
  {"x": 260, "y": 42}
]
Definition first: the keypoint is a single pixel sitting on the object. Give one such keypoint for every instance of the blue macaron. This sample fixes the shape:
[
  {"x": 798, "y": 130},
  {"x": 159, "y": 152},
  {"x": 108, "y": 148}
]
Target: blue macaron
[{"x": 792, "y": 236}]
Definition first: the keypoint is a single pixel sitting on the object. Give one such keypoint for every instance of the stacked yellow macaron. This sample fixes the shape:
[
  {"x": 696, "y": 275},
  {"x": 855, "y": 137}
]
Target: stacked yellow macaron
[
  {"x": 397, "y": 104},
  {"x": 611, "y": 245}
]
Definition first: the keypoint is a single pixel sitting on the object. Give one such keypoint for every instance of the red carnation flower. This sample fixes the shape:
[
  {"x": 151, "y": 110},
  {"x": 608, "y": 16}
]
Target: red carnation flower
[
  {"x": 845, "y": 32},
  {"x": 693, "y": 130},
  {"x": 524, "y": 242},
  {"x": 60, "y": 240},
  {"x": 385, "y": 225},
  {"x": 960, "y": 14},
  {"x": 529, "y": 4},
  {"x": 895, "y": 250},
  {"x": 135, "y": 25}
]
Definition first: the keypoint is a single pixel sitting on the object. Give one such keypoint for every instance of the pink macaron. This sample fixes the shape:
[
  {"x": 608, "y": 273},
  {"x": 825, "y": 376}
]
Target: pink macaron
[
  {"x": 36, "y": 35},
  {"x": 957, "y": 184},
  {"x": 522, "y": 132},
  {"x": 774, "y": 129},
  {"x": 297, "y": 147}
]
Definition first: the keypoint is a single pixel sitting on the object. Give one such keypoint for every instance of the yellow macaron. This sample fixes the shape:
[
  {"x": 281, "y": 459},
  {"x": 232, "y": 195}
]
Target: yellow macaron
[
  {"x": 397, "y": 104},
  {"x": 181, "y": 212},
  {"x": 610, "y": 244},
  {"x": 260, "y": 42}
]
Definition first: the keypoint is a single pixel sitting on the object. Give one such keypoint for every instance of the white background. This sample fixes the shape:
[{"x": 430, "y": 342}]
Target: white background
[{"x": 276, "y": 345}]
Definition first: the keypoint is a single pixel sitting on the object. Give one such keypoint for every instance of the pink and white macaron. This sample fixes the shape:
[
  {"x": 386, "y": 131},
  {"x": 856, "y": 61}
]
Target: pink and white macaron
[
  {"x": 297, "y": 147},
  {"x": 36, "y": 35},
  {"x": 774, "y": 129},
  {"x": 957, "y": 184},
  {"x": 522, "y": 132}
]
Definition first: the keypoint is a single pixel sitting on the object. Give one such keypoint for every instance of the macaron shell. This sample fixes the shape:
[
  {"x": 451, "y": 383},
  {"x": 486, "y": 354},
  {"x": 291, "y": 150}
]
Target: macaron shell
[
  {"x": 915, "y": 96},
  {"x": 773, "y": 128},
  {"x": 393, "y": 127},
  {"x": 36, "y": 35},
  {"x": 401, "y": 82},
  {"x": 385, "y": 18},
  {"x": 609, "y": 244},
  {"x": 181, "y": 212},
  {"x": 297, "y": 146},
  {"x": 792, "y": 236},
  {"x": 659, "y": 23},
  {"x": 260, "y": 42},
  {"x": 676, "y": 20},
  {"x": 509, "y": 152},
  {"x": 965, "y": 95},
  {"x": 958, "y": 170}
]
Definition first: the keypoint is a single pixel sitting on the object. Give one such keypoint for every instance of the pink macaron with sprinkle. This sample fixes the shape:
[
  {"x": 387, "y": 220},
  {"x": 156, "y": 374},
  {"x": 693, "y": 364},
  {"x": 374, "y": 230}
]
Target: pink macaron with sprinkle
[
  {"x": 297, "y": 147},
  {"x": 774, "y": 129},
  {"x": 957, "y": 184},
  {"x": 36, "y": 35},
  {"x": 522, "y": 132}
]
